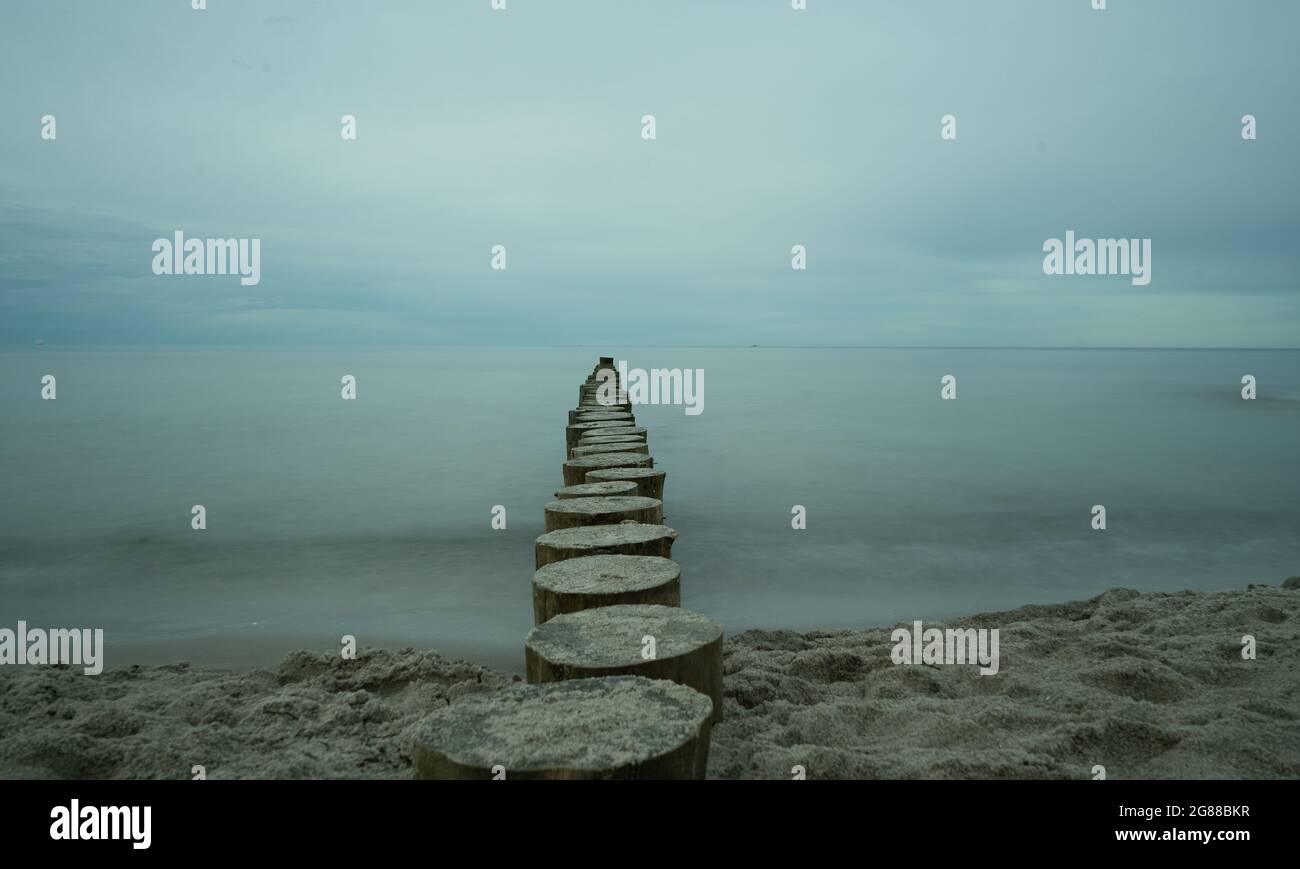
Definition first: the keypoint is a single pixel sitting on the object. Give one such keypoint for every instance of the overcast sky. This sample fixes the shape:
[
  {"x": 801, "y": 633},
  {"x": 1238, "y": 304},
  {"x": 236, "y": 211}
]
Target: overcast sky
[{"x": 775, "y": 128}]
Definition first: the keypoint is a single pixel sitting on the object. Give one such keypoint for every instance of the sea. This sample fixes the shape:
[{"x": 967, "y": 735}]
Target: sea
[{"x": 373, "y": 517}]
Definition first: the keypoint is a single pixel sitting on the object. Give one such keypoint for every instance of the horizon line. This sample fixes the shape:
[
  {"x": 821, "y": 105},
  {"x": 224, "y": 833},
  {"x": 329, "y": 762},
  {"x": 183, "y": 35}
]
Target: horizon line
[{"x": 296, "y": 345}]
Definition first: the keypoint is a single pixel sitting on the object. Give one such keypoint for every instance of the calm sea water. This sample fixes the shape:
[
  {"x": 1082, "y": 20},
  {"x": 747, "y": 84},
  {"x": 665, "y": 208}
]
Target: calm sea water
[{"x": 371, "y": 517}]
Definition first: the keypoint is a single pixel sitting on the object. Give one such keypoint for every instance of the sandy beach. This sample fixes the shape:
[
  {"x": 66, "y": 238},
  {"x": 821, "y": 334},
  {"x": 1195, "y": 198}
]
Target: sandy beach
[{"x": 1148, "y": 685}]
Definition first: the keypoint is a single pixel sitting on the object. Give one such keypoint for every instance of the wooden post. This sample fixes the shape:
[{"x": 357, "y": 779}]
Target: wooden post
[
  {"x": 600, "y": 436},
  {"x": 617, "y": 447},
  {"x": 658, "y": 642},
  {"x": 621, "y": 727},
  {"x": 627, "y": 538},
  {"x": 573, "y": 432},
  {"x": 580, "y": 428},
  {"x": 603, "y": 416},
  {"x": 650, "y": 481},
  {"x": 622, "y": 431},
  {"x": 576, "y": 512},
  {"x": 594, "y": 390},
  {"x": 598, "y": 490},
  {"x": 631, "y": 443},
  {"x": 604, "y": 580},
  {"x": 597, "y": 440},
  {"x": 575, "y": 470},
  {"x": 590, "y": 408}
]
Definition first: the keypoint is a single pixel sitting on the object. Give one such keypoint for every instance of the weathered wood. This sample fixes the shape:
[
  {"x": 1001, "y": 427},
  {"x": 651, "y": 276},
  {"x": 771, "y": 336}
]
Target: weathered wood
[
  {"x": 624, "y": 431},
  {"x": 635, "y": 432},
  {"x": 590, "y": 408},
  {"x": 598, "y": 490},
  {"x": 627, "y": 538},
  {"x": 576, "y": 512},
  {"x": 597, "y": 390},
  {"x": 621, "y": 446},
  {"x": 625, "y": 445},
  {"x": 575, "y": 469},
  {"x": 580, "y": 428},
  {"x": 604, "y": 442},
  {"x": 629, "y": 440},
  {"x": 613, "y": 641},
  {"x": 604, "y": 417},
  {"x": 595, "y": 423},
  {"x": 577, "y": 430},
  {"x": 650, "y": 481},
  {"x": 622, "y": 727},
  {"x": 604, "y": 580}
]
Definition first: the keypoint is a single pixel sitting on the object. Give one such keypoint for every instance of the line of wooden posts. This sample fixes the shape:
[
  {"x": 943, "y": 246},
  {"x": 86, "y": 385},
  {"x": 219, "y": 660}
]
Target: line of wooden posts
[{"x": 621, "y": 681}]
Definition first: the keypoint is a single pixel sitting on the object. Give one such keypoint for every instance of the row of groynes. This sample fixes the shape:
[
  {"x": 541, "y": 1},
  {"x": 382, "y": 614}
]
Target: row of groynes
[{"x": 622, "y": 683}]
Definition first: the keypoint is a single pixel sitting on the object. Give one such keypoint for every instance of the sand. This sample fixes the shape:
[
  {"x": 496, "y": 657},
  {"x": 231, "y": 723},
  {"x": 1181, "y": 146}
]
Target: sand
[
  {"x": 314, "y": 716},
  {"x": 1146, "y": 685},
  {"x": 1149, "y": 685},
  {"x": 569, "y": 729}
]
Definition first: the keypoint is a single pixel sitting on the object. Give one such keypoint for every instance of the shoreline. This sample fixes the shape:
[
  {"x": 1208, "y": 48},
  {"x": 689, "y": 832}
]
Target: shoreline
[
  {"x": 247, "y": 651},
  {"x": 1148, "y": 684}
]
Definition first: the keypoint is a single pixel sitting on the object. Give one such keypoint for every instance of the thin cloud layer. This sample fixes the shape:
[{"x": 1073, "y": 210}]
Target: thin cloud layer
[{"x": 774, "y": 128}]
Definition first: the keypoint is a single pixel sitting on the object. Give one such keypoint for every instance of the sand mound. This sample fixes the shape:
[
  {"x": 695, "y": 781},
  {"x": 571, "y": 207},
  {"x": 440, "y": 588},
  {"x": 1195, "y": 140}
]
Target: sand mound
[
  {"x": 314, "y": 716},
  {"x": 1147, "y": 685}
]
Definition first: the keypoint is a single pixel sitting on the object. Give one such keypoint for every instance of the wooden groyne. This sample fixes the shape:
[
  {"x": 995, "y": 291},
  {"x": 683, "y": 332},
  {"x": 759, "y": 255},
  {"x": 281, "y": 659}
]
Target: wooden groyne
[{"x": 622, "y": 682}]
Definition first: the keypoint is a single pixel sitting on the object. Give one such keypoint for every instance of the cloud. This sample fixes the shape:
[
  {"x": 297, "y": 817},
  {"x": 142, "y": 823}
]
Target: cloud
[{"x": 523, "y": 129}]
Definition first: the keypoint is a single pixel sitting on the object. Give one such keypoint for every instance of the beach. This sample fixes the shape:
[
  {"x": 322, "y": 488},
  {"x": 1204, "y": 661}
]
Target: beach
[{"x": 1147, "y": 685}]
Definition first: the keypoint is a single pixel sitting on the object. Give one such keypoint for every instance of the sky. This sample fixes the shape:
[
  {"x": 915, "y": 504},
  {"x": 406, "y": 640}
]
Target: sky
[{"x": 774, "y": 127}]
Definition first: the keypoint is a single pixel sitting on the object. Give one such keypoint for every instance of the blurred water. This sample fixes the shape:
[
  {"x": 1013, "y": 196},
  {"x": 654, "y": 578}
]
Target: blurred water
[{"x": 371, "y": 517}]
